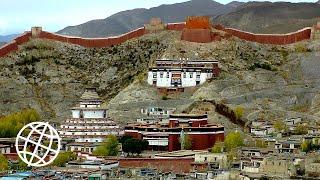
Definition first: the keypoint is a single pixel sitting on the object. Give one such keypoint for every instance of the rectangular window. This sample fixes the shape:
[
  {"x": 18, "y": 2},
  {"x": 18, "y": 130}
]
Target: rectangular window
[
  {"x": 161, "y": 74},
  {"x": 167, "y": 74},
  {"x": 191, "y": 74},
  {"x": 184, "y": 75},
  {"x": 154, "y": 75}
]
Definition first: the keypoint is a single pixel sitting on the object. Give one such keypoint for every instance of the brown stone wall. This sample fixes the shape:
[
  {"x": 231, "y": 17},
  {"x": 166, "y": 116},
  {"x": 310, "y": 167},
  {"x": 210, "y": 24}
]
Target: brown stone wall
[{"x": 177, "y": 165}]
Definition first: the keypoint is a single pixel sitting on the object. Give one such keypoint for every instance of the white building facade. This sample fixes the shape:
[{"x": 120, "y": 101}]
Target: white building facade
[
  {"x": 181, "y": 73},
  {"x": 89, "y": 122}
]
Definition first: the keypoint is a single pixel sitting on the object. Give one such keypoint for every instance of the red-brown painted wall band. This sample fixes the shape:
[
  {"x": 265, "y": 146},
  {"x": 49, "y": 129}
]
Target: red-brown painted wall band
[
  {"x": 176, "y": 26},
  {"x": 280, "y": 39},
  {"x": 94, "y": 42},
  {"x": 277, "y": 39},
  {"x": 13, "y": 45}
]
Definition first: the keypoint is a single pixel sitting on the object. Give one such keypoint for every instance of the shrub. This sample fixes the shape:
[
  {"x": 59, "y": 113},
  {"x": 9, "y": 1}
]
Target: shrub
[
  {"x": 164, "y": 97},
  {"x": 63, "y": 158},
  {"x": 233, "y": 140},
  {"x": 10, "y": 125},
  {"x": 108, "y": 147},
  {"x": 239, "y": 111},
  {"x": 261, "y": 66},
  {"x": 218, "y": 147}
]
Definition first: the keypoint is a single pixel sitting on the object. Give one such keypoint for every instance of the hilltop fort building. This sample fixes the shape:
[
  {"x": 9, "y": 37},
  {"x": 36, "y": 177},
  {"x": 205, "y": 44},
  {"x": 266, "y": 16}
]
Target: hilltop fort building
[{"x": 182, "y": 73}]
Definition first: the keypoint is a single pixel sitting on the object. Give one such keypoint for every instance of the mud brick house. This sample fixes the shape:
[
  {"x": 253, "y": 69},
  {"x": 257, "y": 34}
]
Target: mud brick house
[
  {"x": 182, "y": 73},
  {"x": 166, "y": 137}
]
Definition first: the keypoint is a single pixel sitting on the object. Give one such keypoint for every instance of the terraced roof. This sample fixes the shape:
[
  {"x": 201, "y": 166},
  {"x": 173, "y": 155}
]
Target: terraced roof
[{"x": 90, "y": 94}]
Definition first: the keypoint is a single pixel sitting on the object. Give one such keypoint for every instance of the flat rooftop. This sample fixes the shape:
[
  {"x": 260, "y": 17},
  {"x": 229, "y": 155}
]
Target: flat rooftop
[{"x": 180, "y": 153}]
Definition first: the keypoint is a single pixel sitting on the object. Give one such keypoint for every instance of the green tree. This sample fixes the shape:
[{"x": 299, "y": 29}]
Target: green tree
[
  {"x": 22, "y": 166},
  {"x": 280, "y": 126},
  {"x": 11, "y": 124},
  {"x": 4, "y": 165},
  {"x": 305, "y": 146},
  {"x": 187, "y": 142},
  {"x": 239, "y": 111},
  {"x": 233, "y": 140},
  {"x": 134, "y": 146},
  {"x": 108, "y": 147},
  {"x": 63, "y": 158},
  {"x": 217, "y": 147},
  {"x": 301, "y": 129}
]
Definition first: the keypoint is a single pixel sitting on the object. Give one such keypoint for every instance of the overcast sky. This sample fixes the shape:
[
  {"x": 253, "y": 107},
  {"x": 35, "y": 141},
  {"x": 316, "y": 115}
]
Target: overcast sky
[{"x": 17, "y": 16}]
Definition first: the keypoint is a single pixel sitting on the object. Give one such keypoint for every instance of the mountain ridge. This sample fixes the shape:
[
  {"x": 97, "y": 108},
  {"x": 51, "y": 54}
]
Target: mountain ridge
[
  {"x": 271, "y": 17},
  {"x": 8, "y": 38},
  {"x": 125, "y": 21}
]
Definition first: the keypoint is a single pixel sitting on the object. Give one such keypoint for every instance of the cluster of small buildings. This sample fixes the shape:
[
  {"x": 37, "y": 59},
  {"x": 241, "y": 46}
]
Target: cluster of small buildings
[
  {"x": 273, "y": 162},
  {"x": 164, "y": 131},
  {"x": 264, "y": 128}
]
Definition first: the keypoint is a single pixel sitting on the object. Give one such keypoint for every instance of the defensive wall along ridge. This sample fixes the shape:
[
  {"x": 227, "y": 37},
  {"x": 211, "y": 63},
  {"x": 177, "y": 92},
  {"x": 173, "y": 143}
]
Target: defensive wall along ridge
[
  {"x": 188, "y": 35},
  {"x": 277, "y": 39}
]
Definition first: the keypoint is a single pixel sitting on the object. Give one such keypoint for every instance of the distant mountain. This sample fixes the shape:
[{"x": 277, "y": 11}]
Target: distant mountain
[
  {"x": 7, "y": 38},
  {"x": 267, "y": 17},
  {"x": 235, "y": 4},
  {"x": 2, "y": 43},
  {"x": 128, "y": 20}
]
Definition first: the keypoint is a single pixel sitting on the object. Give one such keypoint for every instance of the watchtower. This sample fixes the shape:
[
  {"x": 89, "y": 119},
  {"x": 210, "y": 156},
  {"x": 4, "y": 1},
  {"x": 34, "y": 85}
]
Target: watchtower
[{"x": 35, "y": 31}]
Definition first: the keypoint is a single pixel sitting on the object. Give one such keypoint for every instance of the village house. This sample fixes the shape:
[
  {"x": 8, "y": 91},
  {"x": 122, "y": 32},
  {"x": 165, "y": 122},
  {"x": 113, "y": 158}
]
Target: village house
[
  {"x": 166, "y": 137},
  {"x": 279, "y": 165},
  {"x": 7, "y": 145},
  {"x": 157, "y": 111},
  {"x": 215, "y": 163},
  {"x": 288, "y": 146},
  {"x": 4, "y": 149},
  {"x": 252, "y": 157},
  {"x": 314, "y": 130},
  {"x": 312, "y": 165},
  {"x": 182, "y": 73},
  {"x": 261, "y": 128}
]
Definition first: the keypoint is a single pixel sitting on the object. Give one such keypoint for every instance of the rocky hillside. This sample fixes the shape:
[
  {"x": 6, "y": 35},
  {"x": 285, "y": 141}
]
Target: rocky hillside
[
  {"x": 268, "y": 17},
  {"x": 265, "y": 80},
  {"x": 50, "y": 76},
  {"x": 125, "y": 21}
]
